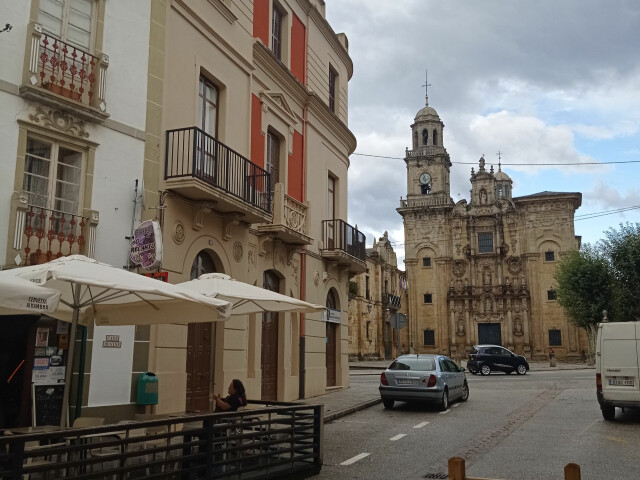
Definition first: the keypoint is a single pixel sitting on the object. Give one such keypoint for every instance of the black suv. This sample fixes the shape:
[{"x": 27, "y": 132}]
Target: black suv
[{"x": 488, "y": 358}]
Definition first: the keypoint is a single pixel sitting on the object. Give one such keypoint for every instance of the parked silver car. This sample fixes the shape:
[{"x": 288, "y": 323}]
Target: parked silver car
[{"x": 422, "y": 377}]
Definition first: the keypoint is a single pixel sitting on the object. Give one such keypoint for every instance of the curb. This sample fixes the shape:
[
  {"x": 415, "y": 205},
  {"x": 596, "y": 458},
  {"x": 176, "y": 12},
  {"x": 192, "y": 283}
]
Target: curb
[{"x": 348, "y": 411}]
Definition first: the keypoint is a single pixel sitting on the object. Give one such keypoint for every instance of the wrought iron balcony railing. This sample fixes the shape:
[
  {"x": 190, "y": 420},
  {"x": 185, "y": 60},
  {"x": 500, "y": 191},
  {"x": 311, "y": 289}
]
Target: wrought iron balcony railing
[
  {"x": 66, "y": 70},
  {"x": 42, "y": 234},
  {"x": 190, "y": 152},
  {"x": 390, "y": 300},
  {"x": 339, "y": 235}
]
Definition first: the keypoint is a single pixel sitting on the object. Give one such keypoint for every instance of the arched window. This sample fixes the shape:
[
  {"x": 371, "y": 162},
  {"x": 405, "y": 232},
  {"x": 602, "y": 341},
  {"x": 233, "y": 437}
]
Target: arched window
[
  {"x": 415, "y": 139},
  {"x": 331, "y": 300},
  {"x": 425, "y": 136},
  {"x": 203, "y": 263},
  {"x": 435, "y": 136}
]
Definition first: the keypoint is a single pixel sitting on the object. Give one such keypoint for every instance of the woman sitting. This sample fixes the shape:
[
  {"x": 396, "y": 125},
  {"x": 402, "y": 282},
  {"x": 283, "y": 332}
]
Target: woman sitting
[{"x": 237, "y": 398}]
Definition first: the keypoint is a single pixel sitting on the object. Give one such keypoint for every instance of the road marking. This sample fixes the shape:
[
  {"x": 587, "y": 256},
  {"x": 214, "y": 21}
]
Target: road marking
[
  {"x": 456, "y": 405},
  {"x": 420, "y": 425},
  {"x": 446, "y": 411},
  {"x": 398, "y": 437},
  {"x": 360, "y": 456}
]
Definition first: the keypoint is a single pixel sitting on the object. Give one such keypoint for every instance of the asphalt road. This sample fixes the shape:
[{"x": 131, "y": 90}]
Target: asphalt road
[{"x": 513, "y": 427}]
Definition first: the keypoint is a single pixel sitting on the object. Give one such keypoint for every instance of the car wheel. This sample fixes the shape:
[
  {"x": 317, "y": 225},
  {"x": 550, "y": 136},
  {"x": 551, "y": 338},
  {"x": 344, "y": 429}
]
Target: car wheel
[
  {"x": 444, "y": 401},
  {"x": 485, "y": 369},
  {"x": 388, "y": 404},
  {"x": 521, "y": 369},
  {"x": 608, "y": 412},
  {"x": 465, "y": 392}
]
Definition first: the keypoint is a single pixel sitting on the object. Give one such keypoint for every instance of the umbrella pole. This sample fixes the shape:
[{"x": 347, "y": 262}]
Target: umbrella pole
[{"x": 64, "y": 418}]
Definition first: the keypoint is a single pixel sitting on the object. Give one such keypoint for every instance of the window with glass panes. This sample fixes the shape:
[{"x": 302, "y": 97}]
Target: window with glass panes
[
  {"x": 273, "y": 158},
  {"x": 53, "y": 175},
  {"x": 551, "y": 295},
  {"x": 549, "y": 256},
  {"x": 426, "y": 261},
  {"x": 485, "y": 242},
  {"x": 69, "y": 20},
  {"x": 555, "y": 338},
  {"x": 332, "y": 89},
  {"x": 276, "y": 31},
  {"x": 208, "y": 107}
]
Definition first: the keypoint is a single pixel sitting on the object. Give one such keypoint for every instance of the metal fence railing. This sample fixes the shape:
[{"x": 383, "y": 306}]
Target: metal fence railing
[
  {"x": 339, "y": 235},
  {"x": 258, "y": 443},
  {"x": 190, "y": 152}
]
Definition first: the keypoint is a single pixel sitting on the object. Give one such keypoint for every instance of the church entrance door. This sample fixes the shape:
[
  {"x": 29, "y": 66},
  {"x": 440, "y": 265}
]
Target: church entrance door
[{"x": 489, "y": 333}]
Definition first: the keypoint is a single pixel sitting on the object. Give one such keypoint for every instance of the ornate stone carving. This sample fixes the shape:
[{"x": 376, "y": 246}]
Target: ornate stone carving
[
  {"x": 517, "y": 327},
  {"x": 198, "y": 217},
  {"x": 60, "y": 121},
  {"x": 514, "y": 264},
  {"x": 238, "y": 251},
  {"x": 460, "y": 331},
  {"x": 316, "y": 278},
  {"x": 177, "y": 233},
  {"x": 459, "y": 267}
]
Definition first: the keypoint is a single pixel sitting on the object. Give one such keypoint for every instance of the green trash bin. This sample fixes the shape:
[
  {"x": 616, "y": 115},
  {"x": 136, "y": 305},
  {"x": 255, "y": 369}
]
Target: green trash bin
[{"x": 147, "y": 389}]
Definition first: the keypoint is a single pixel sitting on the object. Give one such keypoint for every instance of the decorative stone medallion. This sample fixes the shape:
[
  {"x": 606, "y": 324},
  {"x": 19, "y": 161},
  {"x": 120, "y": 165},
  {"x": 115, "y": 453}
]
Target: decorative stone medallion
[
  {"x": 238, "y": 251},
  {"x": 178, "y": 232}
]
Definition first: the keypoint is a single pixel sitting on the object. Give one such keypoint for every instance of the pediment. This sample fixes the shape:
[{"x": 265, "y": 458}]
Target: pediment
[{"x": 277, "y": 102}]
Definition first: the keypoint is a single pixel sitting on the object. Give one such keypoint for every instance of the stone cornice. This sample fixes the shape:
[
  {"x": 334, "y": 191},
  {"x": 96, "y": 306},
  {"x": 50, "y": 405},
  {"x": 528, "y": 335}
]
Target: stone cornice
[{"x": 329, "y": 34}]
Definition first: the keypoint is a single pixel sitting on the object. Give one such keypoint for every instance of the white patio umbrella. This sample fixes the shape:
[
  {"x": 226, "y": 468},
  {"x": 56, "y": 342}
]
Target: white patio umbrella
[
  {"x": 247, "y": 298},
  {"x": 91, "y": 290},
  {"x": 21, "y": 297}
]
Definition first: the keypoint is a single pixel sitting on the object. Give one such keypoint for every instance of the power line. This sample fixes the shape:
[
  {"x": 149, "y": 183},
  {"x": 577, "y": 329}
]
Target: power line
[{"x": 574, "y": 164}]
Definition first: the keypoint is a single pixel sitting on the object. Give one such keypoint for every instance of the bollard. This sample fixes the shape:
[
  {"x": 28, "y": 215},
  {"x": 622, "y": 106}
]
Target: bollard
[
  {"x": 456, "y": 468},
  {"x": 572, "y": 471}
]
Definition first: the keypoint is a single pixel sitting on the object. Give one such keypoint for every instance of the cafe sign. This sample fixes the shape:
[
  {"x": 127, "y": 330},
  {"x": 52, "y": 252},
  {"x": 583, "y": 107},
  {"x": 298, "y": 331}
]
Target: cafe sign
[{"x": 146, "y": 245}]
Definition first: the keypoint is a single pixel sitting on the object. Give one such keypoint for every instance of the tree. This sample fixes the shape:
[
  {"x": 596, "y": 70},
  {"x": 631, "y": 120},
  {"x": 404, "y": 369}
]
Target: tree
[
  {"x": 586, "y": 286},
  {"x": 622, "y": 247}
]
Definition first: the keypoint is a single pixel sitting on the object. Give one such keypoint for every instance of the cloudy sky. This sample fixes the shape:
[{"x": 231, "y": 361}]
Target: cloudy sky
[{"x": 546, "y": 82}]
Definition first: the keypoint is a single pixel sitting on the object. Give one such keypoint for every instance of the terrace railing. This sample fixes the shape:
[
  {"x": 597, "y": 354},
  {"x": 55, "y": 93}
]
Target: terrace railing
[
  {"x": 269, "y": 442},
  {"x": 190, "y": 152},
  {"x": 339, "y": 235}
]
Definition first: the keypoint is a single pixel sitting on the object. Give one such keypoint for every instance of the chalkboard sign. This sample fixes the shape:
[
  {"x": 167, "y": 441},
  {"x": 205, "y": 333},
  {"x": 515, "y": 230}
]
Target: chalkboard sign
[{"x": 47, "y": 404}]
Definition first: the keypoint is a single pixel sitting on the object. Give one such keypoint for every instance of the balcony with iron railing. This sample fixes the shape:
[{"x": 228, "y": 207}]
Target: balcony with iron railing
[
  {"x": 41, "y": 234},
  {"x": 201, "y": 167},
  {"x": 344, "y": 244},
  {"x": 289, "y": 219},
  {"x": 391, "y": 301},
  {"x": 64, "y": 76}
]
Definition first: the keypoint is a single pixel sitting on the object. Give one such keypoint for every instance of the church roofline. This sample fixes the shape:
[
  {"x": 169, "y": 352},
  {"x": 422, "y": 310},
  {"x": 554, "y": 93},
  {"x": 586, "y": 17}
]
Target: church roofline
[{"x": 548, "y": 195}]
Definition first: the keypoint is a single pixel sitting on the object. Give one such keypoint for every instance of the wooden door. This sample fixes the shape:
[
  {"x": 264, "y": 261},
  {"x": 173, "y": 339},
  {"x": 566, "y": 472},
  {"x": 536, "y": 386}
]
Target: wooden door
[
  {"x": 269, "y": 356},
  {"x": 198, "y": 366},
  {"x": 331, "y": 353}
]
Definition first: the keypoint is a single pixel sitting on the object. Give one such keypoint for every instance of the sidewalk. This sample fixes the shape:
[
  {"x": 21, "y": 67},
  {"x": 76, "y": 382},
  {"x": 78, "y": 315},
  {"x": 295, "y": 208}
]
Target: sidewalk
[{"x": 344, "y": 401}]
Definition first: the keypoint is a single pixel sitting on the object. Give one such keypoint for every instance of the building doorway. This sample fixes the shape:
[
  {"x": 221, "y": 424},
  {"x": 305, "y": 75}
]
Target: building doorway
[
  {"x": 489, "y": 333},
  {"x": 269, "y": 356},
  {"x": 331, "y": 340},
  {"x": 200, "y": 339},
  {"x": 16, "y": 363}
]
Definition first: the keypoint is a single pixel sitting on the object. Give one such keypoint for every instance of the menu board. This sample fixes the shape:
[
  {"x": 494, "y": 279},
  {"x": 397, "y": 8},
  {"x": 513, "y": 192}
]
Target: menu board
[{"x": 47, "y": 404}]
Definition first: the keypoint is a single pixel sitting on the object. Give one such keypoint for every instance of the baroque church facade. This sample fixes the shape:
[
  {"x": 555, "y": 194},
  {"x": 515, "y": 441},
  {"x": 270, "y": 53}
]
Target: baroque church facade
[{"x": 481, "y": 271}]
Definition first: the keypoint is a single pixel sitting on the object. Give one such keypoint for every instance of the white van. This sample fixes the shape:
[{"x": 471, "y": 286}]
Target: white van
[{"x": 618, "y": 366}]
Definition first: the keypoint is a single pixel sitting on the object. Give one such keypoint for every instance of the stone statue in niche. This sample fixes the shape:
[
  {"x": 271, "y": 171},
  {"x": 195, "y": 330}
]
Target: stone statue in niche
[
  {"x": 487, "y": 305},
  {"x": 487, "y": 277},
  {"x": 483, "y": 197},
  {"x": 460, "y": 328},
  {"x": 517, "y": 327}
]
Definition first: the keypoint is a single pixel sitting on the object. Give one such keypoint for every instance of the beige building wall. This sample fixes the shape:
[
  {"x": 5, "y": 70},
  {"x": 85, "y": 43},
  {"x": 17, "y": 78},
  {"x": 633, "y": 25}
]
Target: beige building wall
[
  {"x": 371, "y": 335},
  {"x": 215, "y": 40}
]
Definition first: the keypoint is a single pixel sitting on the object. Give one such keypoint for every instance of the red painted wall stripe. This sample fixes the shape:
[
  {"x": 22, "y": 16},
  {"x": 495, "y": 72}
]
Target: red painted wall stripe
[
  {"x": 261, "y": 20},
  {"x": 295, "y": 182},
  {"x": 298, "y": 48},
  {"x": 257, "y": 139}
]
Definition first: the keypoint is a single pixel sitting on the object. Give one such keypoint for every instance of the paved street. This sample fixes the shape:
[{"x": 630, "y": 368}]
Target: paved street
[{"x": 512, "y": 427}]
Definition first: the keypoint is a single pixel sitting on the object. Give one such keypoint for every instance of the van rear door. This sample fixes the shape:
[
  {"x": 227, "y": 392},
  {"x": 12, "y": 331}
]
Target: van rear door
[{"x": 620, "y": 361}]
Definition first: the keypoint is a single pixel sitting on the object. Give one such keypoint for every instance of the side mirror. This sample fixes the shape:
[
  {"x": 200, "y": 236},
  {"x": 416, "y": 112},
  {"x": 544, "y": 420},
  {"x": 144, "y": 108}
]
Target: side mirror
[{"x": 462, "y": 369}]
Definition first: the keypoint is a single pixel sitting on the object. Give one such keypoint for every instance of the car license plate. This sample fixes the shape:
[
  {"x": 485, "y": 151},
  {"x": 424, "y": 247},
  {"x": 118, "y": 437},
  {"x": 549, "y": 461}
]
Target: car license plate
[
  {"x": 621, "y": 381},
  {"x": 406, "y": 381}
]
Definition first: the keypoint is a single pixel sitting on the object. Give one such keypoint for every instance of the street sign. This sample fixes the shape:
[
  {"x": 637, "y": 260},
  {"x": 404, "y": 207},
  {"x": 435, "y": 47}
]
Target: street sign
[{"x": 398, "y": 321}]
